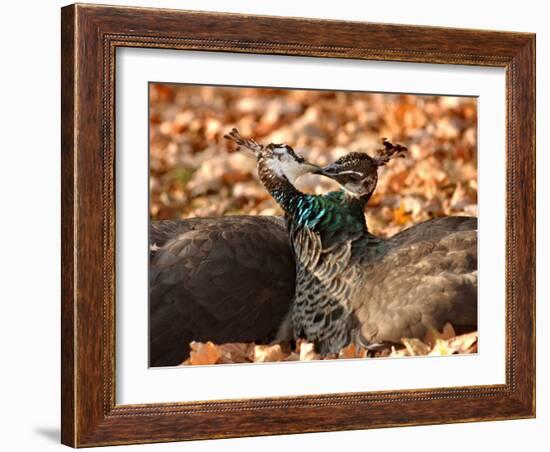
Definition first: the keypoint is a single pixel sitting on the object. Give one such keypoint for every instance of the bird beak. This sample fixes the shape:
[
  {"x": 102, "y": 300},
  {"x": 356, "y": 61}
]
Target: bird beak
[
  {"x": 312, "y": 168},
  {"x": 329, "y": 170}
]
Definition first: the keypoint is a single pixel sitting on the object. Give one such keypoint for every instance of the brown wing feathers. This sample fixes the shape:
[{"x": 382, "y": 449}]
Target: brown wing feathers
[
  {"x": 428, "y": 277},
  {"x": 228, "y": 279},
  {"x": 231, "y": 279}
]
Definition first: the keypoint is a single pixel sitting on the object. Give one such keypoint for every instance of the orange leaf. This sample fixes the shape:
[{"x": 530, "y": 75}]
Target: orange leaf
[
  {"x": 400, "y": 216},
  {"x": 268, "y": 353},
  {"x": 415, "y": 347},
  {"x": 236, "y": 352},
  {"x": 348, "y": 352},
  {"x": 461, "y": 344},
  {"x": 202, "y": 354},
  {"x": 307, "y": 351},
  {"x": 441, "y": 348},
  {"x": 399, "y": 352}
]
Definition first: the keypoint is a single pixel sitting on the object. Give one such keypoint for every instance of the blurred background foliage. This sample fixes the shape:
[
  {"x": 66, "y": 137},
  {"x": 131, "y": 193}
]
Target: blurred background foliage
[{"x": 193, "y": 171}]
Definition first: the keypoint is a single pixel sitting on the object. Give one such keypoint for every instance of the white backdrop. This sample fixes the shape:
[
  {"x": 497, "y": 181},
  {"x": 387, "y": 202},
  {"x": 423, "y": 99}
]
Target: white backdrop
[
  {"x": 30, "y": 224},
  {"x": 137, "y": 384}
]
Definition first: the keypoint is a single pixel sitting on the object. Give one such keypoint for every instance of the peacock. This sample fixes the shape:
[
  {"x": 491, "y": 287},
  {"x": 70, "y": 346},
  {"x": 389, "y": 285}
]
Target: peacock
[{"x": 352, "y": 286}]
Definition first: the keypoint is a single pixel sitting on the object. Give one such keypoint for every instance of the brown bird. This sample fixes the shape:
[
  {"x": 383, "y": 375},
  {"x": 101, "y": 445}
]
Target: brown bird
[
  {"x": 225, "y": 279},
  {"x": 354, "y": 287}
]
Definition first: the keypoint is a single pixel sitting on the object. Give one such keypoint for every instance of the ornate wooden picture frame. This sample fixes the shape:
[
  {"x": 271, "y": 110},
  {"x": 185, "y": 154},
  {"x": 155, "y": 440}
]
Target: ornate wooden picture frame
[{"x": 90, "y": 37}]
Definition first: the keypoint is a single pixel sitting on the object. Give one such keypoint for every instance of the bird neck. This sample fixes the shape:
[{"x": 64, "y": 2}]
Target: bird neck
[
  {"x": 281, "y": 189},
  {"x": 336, "y": 215},
  {"x": 356, "y": 202}
]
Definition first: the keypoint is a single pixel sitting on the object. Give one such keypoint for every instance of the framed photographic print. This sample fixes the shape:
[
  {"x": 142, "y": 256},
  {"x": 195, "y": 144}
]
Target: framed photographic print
[{"x": 281, "y": 225}]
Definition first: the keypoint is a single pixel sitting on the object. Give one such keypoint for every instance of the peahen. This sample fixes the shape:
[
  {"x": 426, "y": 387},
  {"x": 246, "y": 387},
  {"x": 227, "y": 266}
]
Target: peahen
[
  {"x": 354, "y": 287},
  {"x": 226, "y": 279}
]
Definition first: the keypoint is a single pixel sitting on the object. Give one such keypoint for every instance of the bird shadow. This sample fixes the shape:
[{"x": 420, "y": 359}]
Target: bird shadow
[{"x": 50, "y": 433}]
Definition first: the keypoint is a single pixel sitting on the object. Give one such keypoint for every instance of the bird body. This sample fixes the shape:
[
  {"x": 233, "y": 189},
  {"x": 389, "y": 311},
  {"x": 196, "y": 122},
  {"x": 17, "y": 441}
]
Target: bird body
[
  {"x": 354, "y": 287},
  {"x": 426, "y": 277},
  {"x": 225, "y": 279}
]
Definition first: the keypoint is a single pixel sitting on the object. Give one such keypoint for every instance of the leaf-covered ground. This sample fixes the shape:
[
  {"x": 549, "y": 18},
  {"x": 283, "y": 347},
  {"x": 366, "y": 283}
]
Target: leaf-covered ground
[
  {"x": 435, "y": 343},
  {"x": 194, "y": 173}
]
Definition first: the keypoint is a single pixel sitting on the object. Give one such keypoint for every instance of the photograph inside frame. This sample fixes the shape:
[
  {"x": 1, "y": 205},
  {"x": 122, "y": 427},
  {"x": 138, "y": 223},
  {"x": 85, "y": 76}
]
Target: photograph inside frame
[{"x": 297, "y": 225}]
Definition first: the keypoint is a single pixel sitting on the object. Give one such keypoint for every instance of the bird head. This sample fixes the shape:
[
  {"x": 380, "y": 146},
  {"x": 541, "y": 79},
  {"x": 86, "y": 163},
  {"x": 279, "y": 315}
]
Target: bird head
[
  {"x": 280, "y": 159},
  {"x": 357, "y": 172}
]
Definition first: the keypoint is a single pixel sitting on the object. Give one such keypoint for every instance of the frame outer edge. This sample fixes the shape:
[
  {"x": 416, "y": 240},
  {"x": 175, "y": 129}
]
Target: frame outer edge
[
  {"x": 534, "y": 226},
  {"x": 68, "y": 242},
  {"x": 88, "y": 419},
  {"x": 525, "y": 61}
]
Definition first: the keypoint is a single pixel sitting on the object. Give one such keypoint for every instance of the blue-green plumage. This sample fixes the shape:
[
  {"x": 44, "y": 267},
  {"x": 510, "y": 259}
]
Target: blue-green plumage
[{"x": 332, "y": 216}]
